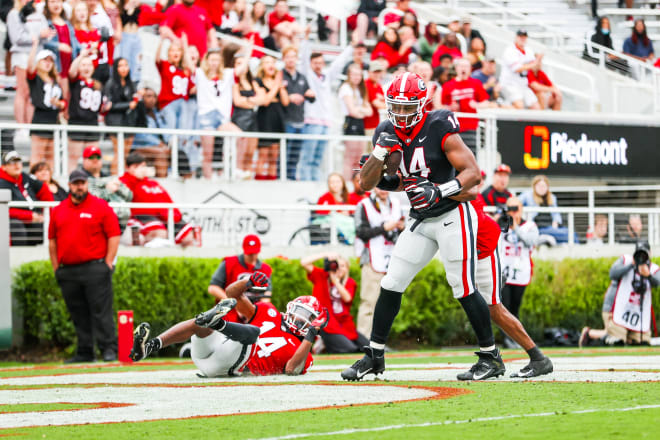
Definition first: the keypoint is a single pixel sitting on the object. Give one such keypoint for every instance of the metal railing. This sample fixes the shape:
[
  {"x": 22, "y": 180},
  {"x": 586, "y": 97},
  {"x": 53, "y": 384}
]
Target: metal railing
[{"x": 284, "y": 232}]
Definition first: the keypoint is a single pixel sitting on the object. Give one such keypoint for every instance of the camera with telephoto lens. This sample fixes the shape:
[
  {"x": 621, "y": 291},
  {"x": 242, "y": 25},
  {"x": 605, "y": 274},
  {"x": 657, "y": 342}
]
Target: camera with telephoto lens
[
  {"x": 640, "y": 257},
  {"x": 330, "y": 265},
  {"x": 505, "y": 221}
]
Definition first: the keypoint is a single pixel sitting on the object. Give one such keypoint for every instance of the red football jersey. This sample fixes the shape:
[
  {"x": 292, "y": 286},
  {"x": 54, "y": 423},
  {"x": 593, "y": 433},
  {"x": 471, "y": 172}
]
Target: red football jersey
[
  {"x": 275, "y": 345},
  {"x": 488, "y": 231},
  {"x": 175, "y": 83}
]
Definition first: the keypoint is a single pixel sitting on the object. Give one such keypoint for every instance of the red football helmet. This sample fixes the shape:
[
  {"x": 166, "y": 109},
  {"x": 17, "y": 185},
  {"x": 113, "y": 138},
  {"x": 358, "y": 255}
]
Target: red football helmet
[
  {"x": 406, "y": 97},
  {"x": 301, "y": 313}
]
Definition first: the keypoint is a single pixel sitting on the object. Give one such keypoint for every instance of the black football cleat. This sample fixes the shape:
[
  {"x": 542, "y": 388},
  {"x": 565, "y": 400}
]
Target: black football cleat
[
  {"x": 369, "y": 364},
  {"x": 213, "y": 317},
  {"x": 140, "y": 348},
  {"x": 535, "y": 368},
  {"x": 490, "y": 364}
]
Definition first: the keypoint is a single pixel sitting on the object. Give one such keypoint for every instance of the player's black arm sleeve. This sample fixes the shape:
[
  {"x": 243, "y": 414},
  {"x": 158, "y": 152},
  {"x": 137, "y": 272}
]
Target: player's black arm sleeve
[
  {"x": 363, "y": 229},
  {"x": 390, "y": 182}
]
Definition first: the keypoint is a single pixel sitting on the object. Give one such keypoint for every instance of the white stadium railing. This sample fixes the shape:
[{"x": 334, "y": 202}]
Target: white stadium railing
[{"x": 280, "y": 238}]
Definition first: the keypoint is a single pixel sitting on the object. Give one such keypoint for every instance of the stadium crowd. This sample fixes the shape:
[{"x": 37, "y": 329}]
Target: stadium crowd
[{"x": 79, "y": 62}]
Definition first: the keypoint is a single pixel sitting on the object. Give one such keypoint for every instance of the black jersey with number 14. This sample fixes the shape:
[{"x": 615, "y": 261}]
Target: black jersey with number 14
[{"x": 424, "y": 155}]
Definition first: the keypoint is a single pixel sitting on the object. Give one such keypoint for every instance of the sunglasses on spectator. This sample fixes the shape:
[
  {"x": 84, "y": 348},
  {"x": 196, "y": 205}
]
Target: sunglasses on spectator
[{"x": 94, "y": 157}]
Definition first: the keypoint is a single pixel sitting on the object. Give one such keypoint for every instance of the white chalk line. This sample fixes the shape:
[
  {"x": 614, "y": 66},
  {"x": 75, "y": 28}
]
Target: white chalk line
[{"x": 454, "y": 422}]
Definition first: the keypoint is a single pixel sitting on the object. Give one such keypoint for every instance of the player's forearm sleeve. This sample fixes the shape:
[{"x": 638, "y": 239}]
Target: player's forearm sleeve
[{"x": 389, "y": 182}]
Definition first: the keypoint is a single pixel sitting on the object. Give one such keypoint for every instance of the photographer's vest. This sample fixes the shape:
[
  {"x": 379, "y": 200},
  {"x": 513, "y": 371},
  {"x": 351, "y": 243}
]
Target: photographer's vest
[
  {"x": 632, "y": 310},
  {"x": 516, "y": 258},
  {"x": 380, "y": 249}
]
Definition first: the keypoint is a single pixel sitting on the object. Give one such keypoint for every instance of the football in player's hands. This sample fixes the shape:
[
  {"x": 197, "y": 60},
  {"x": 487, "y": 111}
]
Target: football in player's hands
[
  {"x": 392, "y": 162},
  {"x": 322, "y": 320},
  {"x": 422, "y": 193},
  {"x": 258, "y": 282}
]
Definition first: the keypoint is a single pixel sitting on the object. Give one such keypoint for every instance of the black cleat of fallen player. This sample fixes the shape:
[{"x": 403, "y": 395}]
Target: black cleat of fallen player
[
  {"x": 490, "y": 364},
  {"x": 212, "y": 318},
  {"x": 369, "y": 364},
  {"x": 535, "y": 368},
  {"x": 140, "y": 348}
]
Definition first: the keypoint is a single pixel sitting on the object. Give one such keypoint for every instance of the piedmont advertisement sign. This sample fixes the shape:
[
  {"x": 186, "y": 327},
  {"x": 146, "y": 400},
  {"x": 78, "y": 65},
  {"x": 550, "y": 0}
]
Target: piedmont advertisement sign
[{"x": 584, "y": 150}]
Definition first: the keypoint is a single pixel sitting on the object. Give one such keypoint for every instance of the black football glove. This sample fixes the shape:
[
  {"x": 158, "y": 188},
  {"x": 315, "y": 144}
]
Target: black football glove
[
  {"x": 385, "y": 144},
  {"x": 421, "y": 192},
  {"x": 257, "y": 283}
]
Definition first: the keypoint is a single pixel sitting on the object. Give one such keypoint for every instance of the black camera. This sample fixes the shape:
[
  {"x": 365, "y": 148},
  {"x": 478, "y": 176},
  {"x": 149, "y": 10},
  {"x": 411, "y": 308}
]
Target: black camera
[
  {"x": 505, "y": 221},
  {"x": 330, "y": 265},
  {"x": 105, "y": 34},
  {"x": 641, "y": 254}
]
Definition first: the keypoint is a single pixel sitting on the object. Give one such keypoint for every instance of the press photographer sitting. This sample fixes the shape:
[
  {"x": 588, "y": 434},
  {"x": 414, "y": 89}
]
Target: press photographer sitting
[
  {"x": 335, "y": 291},
  {"x": 627, "y": 307},
  {"x": 518, "y": 240}
]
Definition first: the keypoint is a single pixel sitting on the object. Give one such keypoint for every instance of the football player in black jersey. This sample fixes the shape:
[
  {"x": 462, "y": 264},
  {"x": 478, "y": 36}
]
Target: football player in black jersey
[{"x": 435, "y": 165}]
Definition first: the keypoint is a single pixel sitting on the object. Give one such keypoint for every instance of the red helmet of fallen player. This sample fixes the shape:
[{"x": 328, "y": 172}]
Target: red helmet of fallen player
[
  {"x": 302, "y": 313},
  {"x": 405, "y": 99}
]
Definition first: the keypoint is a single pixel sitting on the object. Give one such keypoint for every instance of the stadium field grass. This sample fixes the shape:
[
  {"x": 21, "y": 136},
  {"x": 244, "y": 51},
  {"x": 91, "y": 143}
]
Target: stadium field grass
[{"x": 481, "y": 410}]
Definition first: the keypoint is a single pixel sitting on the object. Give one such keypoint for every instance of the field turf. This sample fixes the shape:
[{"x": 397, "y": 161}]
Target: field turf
[{"x": 479, "y": 410}]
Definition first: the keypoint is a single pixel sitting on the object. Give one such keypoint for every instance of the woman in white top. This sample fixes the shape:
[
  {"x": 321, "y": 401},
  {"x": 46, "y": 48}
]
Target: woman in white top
[
  {"x": 355, "y": 107},
  {"x": 214, "y": 102}
]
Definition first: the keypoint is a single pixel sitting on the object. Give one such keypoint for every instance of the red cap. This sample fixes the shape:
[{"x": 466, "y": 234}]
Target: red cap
[
  {"x": 503, "y": 168},
  {"x": 251, "y": 244},
  {"x": 91, "y": 151},
  {"x": 483, "y": 174}
]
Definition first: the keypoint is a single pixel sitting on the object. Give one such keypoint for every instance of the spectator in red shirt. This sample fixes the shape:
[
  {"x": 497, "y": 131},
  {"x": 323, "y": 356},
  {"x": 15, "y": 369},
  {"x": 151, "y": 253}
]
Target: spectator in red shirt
[
  {"x": 335, "y": 290},
  {"x": 393, "y": 18},
  {"x": 213, "y": 8},
  {"x": 337, "y": 195},
  {"x": 283, "y": 27},
  {"x": 375, "y": 95},
  {"x": 464, "y": 94},
  {"x": 83, "y": 239},
  {"x": 497, "y": 193},
  {"x": 152, "y": 221},
  {"x": 449, "y": 46},
  {"x": 358, "y": 193},
  {"x": 392, "y": 49},
  {"x": 25, "y": 224},
  {"x": 64, "y": 44},
  {"x": 546, "y": 92},
  {"x": 88, "y": 36},
  {"x": 191, "y": 20}
]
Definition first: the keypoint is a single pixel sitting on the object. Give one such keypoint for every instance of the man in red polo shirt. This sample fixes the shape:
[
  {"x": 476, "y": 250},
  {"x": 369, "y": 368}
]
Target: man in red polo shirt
[
  {"x": 83, "y": 239},
  {"x": 464, "y": 94},
  {"x": 192, "y": 20}
]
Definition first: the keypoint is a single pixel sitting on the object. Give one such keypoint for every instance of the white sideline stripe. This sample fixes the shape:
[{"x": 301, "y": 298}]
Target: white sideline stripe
[{"x": 454, "y": 422}]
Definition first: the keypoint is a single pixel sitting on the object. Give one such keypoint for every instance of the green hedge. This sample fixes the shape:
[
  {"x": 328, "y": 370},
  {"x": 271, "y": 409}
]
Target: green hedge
[{"x": 164, "y": 291}]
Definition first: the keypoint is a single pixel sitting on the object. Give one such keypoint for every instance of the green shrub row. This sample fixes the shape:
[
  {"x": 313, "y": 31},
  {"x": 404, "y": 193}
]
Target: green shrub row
[{"x": 163, "y": 291}]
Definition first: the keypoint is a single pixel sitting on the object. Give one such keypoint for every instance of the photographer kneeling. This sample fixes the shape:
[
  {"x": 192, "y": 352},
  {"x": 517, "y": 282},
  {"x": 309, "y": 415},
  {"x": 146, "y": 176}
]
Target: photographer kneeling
[
  {"x": 627, "y": 305},
  {"x": 518, "y": 241},
  {"x": 335, "y": 291}
]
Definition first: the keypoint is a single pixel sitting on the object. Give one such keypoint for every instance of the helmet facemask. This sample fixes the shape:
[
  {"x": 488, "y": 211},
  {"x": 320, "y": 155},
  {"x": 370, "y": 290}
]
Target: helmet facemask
[
  {"x": 404, "y": 115},
  {"x": 299, "y": 317}
]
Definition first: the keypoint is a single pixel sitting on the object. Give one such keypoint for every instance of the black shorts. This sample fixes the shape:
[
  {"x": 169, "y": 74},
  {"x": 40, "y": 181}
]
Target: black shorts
[{"x": 353, "y": 126}]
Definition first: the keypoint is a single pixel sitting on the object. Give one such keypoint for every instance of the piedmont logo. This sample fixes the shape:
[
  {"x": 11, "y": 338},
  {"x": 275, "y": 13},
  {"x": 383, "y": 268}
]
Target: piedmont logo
[{"x": 557, "y": 147}]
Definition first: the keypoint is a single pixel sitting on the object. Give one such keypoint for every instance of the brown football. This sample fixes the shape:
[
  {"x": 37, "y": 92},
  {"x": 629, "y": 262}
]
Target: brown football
[{"x": 392, "y": 162}]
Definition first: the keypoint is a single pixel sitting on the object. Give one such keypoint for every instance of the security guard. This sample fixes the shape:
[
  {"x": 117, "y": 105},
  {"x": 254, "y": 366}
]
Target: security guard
[{"x": 83, "y": 240}]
